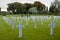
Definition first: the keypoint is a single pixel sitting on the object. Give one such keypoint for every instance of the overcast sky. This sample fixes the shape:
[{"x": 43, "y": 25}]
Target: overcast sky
[{"x": 3, "y": 3}]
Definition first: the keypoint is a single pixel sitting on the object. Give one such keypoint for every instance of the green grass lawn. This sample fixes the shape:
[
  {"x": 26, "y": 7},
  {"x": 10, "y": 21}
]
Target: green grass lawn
[
  {"x": 6, "y": 32},
  {"x": 42, "y": 32}
]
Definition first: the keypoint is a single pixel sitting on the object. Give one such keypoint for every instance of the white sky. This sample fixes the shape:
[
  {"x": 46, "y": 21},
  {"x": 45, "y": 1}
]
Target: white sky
[{"x": 3, "y": 3}]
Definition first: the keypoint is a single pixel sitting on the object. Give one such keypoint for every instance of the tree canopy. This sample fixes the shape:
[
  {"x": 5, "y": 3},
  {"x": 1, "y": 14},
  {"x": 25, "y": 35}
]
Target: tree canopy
[{"x": 19, "y": 8}]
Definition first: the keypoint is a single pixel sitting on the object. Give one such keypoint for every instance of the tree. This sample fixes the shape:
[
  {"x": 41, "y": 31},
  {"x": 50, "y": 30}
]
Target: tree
[
  {"x": 20, "y": 8},
  {"x": 14, "y": 7},
  {"x": 0, "y": 9},
  {"x": 53, "y": 9},
  {"x": 28, "y": 6},
  {"x": 39, "y": 5}
]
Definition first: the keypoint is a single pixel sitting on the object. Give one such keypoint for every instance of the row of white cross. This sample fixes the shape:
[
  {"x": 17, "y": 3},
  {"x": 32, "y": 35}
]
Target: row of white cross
[{"x": 35, "y": 20}]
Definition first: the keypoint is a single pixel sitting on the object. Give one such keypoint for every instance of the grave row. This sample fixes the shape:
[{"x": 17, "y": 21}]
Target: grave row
[{"x": 35, "y": 20}]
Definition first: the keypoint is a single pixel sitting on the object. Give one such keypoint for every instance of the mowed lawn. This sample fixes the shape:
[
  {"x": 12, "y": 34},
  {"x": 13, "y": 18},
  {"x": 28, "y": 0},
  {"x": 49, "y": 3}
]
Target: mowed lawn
[
  {"x": 42, "y": 32},
  {"x": 6, "y": 32}
]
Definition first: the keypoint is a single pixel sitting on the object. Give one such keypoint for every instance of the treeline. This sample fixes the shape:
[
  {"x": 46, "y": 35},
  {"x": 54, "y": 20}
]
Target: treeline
[
  {"x": 27, "y": 8},
  {"x": 32, "y": 8}
]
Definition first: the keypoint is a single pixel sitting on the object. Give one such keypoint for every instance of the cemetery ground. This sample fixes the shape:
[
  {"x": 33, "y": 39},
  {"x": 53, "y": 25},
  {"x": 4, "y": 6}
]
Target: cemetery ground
[{"x": 42, "y": 32}]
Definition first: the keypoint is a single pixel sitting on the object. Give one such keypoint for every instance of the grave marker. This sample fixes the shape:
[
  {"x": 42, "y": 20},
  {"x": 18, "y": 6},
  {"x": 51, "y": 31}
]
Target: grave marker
[
  {"x": 13, "y": 25},
  {"x": 34, "y": 21},
  {"x": 20, "y": 29},
  {"x": 52, "y": 26}
]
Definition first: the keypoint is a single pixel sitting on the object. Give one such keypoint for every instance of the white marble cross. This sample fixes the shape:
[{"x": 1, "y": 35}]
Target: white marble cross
[
  {"x": 13, "y": 25},
  {"x": 27, "y": 19},
  {"x": 20, "y": 30},
  {"x": 6, "y": 19},
  {"x": 34, "y": 21},
  {"x": 52, "y": 26},
  {"x": 42, "y": 19}
]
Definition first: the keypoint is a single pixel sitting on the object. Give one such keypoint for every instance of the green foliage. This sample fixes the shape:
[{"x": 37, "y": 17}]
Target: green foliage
[
  {"x": 39, "y": 5},
  {"x": 19, "y": 8},
  {"x": 14, "y": 7},
  {"x": 0, "y": 9},
  {"x": 53, "y": 9}
]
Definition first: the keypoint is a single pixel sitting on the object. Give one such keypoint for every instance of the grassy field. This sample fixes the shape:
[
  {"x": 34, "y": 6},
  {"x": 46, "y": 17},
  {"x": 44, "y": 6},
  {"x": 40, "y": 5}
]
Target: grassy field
[{"x": 42, "y": 32}]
